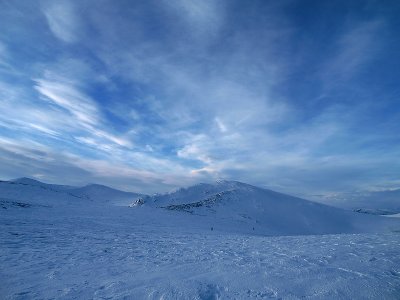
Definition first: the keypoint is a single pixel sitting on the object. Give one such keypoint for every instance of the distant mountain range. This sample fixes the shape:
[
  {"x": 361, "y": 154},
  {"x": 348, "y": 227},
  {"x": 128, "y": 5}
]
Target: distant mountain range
[
  {"x": 224, "y": 205},
  {"x": 31, "y": 190},
  {"x": 377, "y": 202}
]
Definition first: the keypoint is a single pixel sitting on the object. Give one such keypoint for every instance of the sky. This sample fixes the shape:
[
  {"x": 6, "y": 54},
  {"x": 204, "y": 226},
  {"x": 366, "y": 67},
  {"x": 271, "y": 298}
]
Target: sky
[{"x": 301, "y": 97}]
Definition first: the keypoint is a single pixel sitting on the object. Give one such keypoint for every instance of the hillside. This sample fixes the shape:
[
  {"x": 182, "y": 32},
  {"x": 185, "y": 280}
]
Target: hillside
[
  {"x": 235, "y": 206},
  {"x": 27, "y": 191},
  {"x": 226, "y": 240}
]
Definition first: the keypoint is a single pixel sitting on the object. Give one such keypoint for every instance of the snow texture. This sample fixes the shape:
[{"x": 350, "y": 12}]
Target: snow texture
[{"x": 58, "y": 244}]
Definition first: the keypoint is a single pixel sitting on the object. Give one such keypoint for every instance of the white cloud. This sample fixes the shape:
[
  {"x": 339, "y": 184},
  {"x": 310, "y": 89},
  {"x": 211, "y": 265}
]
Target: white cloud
[
  {"x": 359, "y": 43},
  {"x": 43, "y": 129},
  {"x": 82, "y": 108},
  {"x": 26, "y": 157},
  {"x": 180, "y": 106},
  {"x": 204, "y": 18},
  {"x": 69, "y": 98},
  {"x": 194, "y": 152},
  {"x": 3, "y": 54},
  {"x": 62, "y": 19},
  {"x": 221, "y": 126}
]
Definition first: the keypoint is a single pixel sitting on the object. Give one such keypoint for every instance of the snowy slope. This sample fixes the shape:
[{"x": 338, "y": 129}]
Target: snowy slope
[
  {"x": 195, "y": 193},
  {"x": 53, "y": 247},
  {"x": 33, "y": 182},
  {"x": 225, "y": 206},
  {"x": 237, "y": 206},
  {"x": 123, "y": 255},
  {"x": 29, "y": 191},
  {"x": 102, "y": 193},
  {"x": 33, "y": 193}
]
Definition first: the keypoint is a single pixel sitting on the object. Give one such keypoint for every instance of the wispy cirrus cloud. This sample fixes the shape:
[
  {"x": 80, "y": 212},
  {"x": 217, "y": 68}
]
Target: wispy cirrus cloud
[
  {"x": 169, "y": 92},
  {"x": 62, "y": 19},
  {"x": 359, "y": 43},
  {"x": 203, "y": 19},
  {"x": 70, "y": 99},
  {"x": 85, "y": 112},
  {"x": 134, "y": 176},
  {"x": 3, "y": 54}
]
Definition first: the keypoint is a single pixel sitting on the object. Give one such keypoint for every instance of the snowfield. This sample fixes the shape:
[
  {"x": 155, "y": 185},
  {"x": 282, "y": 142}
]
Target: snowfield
[{"x": 56, "y": 248}]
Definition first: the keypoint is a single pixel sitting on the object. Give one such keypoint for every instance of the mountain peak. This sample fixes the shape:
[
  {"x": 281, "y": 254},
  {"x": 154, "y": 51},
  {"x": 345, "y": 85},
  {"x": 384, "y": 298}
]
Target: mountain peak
[
  {"x": 224, "y": 181},
  {"x": 26, "y": 180},
  {"x": 199, "y": 192},
  {"x": 232, "y": 184},
  {"x": 96, "y": 185}
]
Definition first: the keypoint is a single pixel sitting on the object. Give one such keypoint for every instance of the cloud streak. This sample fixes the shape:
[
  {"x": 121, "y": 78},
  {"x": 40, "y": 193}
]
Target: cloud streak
[
  {"x": 165, "y": 93},
  {"x": 68, "y": 98},
  {"x": 62, "y": 19}
]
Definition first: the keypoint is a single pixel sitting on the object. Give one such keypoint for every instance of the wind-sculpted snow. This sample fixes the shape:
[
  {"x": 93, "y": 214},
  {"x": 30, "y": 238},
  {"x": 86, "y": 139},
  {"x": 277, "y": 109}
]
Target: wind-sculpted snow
[
  {"x": 230, "y": 241},
  {"x": 119, "y": 254}
]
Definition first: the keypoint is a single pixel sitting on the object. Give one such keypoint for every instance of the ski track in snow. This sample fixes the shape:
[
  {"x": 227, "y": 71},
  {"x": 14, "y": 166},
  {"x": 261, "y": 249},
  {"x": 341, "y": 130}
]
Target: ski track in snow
[{"x": 84, "y": 256}]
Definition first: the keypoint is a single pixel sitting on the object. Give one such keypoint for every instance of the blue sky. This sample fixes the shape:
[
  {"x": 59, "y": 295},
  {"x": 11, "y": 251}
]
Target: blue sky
[{"x": 296, "y": 96}]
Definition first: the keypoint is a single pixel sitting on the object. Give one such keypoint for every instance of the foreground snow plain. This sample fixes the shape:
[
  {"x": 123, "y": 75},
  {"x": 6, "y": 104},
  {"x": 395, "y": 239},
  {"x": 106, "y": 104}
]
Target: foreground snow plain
[{"x": 68, "y": 250}]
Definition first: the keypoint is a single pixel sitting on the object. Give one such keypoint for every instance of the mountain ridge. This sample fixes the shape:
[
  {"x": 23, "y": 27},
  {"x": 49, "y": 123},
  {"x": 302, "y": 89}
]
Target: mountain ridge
[
  {"x": 243, "y": 205},
  {"x": 40, "y": 193},
  {"x": 225, "y": 205}
]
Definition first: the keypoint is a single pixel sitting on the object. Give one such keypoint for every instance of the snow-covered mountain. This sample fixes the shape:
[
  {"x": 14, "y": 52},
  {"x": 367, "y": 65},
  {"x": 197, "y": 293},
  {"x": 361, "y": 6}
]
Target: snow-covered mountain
[
  {"x": 209, "y": 241},
  {"x": 231, "y": 204},
  {"x": 25, "y": 181},
  {"x": 27, "y": 191},
  {"x": 30, "y": 192},
  {"x": 386, "y": 201},
  {"x": 227, "y": 206},
  {"x": 376, "y": 202},
  {"x": 102, "y": 193}
]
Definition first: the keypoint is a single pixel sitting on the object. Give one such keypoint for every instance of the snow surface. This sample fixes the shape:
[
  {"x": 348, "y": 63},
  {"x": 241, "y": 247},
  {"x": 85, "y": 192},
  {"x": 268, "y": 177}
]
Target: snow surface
[
  {"x": 36, "y": 192},
  {"x": 231, "y": 204},
  {"x": 54, "y": 244}
]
